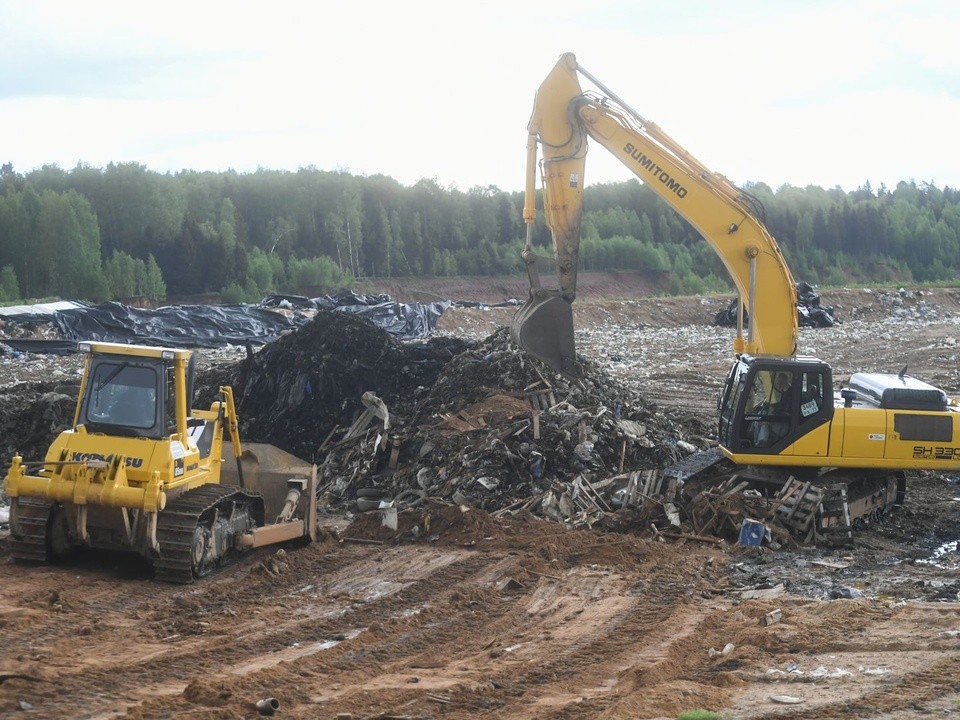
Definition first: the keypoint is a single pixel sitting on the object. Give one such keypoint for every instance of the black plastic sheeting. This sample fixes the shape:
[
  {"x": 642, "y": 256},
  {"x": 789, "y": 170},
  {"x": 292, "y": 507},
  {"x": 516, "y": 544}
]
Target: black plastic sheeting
[
  {"x": 810, "y": 313},
  {"x": 402, "y": 320},
  {"x": 191, "y": 326},
  {"x": 211, "y": 326}
]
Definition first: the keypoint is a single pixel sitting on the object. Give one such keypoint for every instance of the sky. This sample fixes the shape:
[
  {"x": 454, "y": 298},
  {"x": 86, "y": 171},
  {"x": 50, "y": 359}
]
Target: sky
[{"x": 807, "y": 92}]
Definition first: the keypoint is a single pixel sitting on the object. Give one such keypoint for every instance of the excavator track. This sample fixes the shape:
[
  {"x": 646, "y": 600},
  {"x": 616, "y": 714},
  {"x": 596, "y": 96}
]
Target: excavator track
[
  {"x": 854, "y": 500},
  {"x": 815, "y": 508},
  {"x": 30, "y": 545},
  {"x": 189, "y": 524}
]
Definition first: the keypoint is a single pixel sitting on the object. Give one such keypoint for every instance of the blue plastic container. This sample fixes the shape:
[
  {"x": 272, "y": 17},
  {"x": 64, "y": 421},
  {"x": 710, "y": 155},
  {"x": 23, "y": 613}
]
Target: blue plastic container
[{"x": 752, "y": 533}]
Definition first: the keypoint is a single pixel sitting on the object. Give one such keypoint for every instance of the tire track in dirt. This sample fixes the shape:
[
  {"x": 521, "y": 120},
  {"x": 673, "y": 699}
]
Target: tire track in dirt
[
  {"x": 937, "y": 681},
  {"x": 141, "y": 655},
  {"x": 586, "y": 677},
  {"x": 439, "y": 631},
  {"x": 339, "y": 640},
  {"x": 507, "y": 681},
  {"x": 359, "y": 655}
]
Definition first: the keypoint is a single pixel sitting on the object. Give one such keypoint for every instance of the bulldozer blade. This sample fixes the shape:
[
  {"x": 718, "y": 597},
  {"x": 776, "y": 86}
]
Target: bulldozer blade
[
  {"x": 544, "y": 328},
  {"x": 267, "y": 470}
]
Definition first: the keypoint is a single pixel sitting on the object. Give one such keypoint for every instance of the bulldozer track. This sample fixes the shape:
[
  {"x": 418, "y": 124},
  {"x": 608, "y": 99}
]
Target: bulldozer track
[
  {"x": 177, "y": 523},
  {"x": 31, "y": 545}
]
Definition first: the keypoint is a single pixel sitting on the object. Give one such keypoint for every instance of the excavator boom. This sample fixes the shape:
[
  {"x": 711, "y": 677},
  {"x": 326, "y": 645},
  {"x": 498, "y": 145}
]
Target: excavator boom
[{"x": 564, "y": 118}]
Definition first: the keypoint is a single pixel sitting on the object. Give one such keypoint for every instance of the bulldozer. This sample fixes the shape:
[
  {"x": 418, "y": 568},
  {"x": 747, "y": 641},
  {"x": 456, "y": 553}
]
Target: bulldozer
[{"x": 142, "y": 472}]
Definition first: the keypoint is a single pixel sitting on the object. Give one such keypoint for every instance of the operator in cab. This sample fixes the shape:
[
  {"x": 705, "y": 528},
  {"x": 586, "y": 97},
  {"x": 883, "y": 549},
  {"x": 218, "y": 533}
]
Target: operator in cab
[{"x": 772, "y": 406}]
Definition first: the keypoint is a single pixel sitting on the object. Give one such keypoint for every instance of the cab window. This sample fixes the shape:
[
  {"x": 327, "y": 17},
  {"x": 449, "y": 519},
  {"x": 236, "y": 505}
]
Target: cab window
[
  {"x": 122, "y": 394},
  {"x": 811, "y": 395}
]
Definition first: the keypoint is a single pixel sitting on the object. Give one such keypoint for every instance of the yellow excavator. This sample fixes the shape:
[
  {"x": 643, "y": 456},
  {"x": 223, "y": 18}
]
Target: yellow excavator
[
  {"x": 140, "y": 471},
  {"x": 778, "y": 414}
]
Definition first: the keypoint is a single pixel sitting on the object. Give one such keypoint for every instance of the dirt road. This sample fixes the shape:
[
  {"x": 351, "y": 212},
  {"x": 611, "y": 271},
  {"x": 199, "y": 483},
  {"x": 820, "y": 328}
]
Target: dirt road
[
  {"x": 519, "y": 620},
  {"x": 468, "y": 617}
]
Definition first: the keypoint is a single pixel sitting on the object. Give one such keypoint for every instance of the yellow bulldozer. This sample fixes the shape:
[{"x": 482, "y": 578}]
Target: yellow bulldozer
[{"x": 142, "y": 472}]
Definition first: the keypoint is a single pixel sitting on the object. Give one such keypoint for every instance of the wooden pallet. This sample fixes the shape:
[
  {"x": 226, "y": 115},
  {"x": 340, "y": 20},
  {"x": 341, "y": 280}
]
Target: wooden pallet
[
  {"x": 799, "y": 506},
  {"x": 836, "y": 525}
]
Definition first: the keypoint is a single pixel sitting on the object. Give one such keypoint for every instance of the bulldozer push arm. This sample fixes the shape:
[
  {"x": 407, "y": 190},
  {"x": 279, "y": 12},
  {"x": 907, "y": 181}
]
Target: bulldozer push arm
[{"x": 563, "y": 118}]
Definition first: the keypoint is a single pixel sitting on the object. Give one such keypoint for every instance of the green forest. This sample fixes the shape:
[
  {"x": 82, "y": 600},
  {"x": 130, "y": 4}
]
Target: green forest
[{"x": 125, "y": 231}]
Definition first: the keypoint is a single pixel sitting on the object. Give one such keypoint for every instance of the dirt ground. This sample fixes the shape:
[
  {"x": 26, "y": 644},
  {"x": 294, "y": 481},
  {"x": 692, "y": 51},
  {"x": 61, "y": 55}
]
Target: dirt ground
[{"x": 460, "y": 615}]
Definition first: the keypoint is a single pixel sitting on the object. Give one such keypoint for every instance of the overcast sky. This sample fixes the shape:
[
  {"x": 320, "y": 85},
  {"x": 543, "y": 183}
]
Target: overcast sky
[{"x": 829, "y": 93}]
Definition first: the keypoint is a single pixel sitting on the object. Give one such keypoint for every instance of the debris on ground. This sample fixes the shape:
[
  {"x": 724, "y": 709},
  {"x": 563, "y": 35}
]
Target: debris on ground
[
  {"x": 810, "y": 312},
  {"x": 395, "y": 423}
]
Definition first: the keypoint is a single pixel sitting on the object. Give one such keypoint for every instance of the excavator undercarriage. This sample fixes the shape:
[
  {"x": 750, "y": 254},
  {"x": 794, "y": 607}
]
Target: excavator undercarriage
[{"x": 814, "y": 507}]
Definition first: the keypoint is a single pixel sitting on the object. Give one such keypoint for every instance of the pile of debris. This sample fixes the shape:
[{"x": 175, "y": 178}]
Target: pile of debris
[
  {"x": 810, "y": 312},
  {"x": 497, "y": 430},
  {"x": 295, "y": 391},
  {"x": 909, "y": 304},
  {"x": 33, "y": 415},
  {"x": 396, "y": 424}
]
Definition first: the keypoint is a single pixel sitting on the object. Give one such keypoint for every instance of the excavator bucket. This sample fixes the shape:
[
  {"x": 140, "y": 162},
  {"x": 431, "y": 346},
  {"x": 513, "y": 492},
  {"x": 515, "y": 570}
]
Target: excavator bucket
[{"x": 544, "y": 328}]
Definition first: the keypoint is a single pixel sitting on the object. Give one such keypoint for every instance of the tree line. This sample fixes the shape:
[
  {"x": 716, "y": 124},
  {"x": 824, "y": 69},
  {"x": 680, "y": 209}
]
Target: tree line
[{"x": 124, "y": 231}]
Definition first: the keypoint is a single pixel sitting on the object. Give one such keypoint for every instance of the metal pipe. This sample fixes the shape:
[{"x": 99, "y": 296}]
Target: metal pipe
[
  {"x": 610, "y": 93},
  {"x": 268, "y": 706},
  {"x": 739, "y": 316},
  {"x": 289, "y": 505}
]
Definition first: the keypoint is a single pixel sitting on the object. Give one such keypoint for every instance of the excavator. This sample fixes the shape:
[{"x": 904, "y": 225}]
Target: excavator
[
  {"x": 139, "y": 471},
  {"x": 779, "y": 418}
]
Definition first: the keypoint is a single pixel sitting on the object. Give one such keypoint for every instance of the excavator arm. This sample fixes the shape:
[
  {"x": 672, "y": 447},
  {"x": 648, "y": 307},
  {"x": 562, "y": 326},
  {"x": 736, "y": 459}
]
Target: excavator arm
[
  {"x": 563, "y": 118},
  {"x": 777, "y": 417}
]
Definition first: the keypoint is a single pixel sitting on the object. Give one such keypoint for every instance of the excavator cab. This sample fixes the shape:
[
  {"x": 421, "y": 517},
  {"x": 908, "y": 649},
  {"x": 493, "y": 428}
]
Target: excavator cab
[{"x": 768, "y": 404}]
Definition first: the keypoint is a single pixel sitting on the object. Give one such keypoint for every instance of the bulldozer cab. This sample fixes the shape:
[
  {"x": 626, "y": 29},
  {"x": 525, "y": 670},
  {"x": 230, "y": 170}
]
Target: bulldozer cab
[
  {"x": 131, "y": 390},
  {"x": 767, "y": 404},
  {"x": 128, "y": 396}
]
